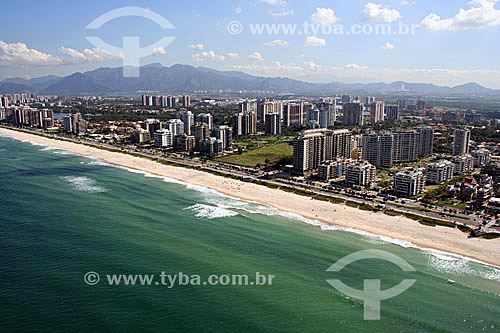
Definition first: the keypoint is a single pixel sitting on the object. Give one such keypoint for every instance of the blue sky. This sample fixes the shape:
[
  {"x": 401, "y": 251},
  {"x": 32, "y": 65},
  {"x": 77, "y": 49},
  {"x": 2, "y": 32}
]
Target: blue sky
[{"x": 455, "y": 42}]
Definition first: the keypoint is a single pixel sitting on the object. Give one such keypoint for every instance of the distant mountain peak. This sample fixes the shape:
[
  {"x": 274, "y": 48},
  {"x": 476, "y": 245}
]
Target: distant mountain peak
[{"x": 181, "y": 78}]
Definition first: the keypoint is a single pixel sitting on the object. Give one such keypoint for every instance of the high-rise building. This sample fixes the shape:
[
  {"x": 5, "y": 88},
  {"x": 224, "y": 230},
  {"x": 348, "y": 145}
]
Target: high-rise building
[
  {"x": 211, "y": 146},
  {"x": 68, "y": 124},
  {"x": 325, "y": 120},
  {"x": 201, "y": 133},
  {"x": 439, "y": 172},
  {"x": 481, "y": 157},
  {"x": 406, "y": 146},
  {"x": 4, "y": 102},
  {"x": 248, "y": 106},
  {"x": 139, "y": 135},
  {"x": 237, "y": 124},
  {"x": 426, "y": 141},
  {"x": 312, "y": 115},
  {"x": 377, "y": 112},
  {"x": 341, "y": 143},
  {"x": 225, "y": 135},
  {"x": 79, "y": 125},
  {"x": 461, "y": 141},
  {"x": 293, "y": 114},
  {"x": 273, "y": 124},
  {"x": 334, "y": 169},
  {"x": 409, "y": 182},
  {"x": 184, "y": 142},
  {"x": 346, "y": 99},
  {"x": 353, "y": 114},
  {"x": 151, "y": 125},
  {"x": 266, "y": 107},
  {"x": 315, "y": 146},
  {"x": 163, "y": 138},
  {"x": 369, "y": 100},
  {"x": 360, "y": 174},
  {"x": 250, "y": 122},
  {"x": 310, "y": 150},
  {"x": 186, "y": 101},
  {"x": 171, "y": 101},
  {"x": 187, "y": 118},
  {"x": 156, "y": 101},
  {"x": 328, "y": 114},
  {"x": 392, "y": 112},
  {"x": 244, "y": 123},
  {"x": 207, "y": 119},
  {"x": 464, "y": 164},
  {"x": 378, "y": 149},
  {"x": 175, "y": 126},
  {"x": 164, "y": 101}
]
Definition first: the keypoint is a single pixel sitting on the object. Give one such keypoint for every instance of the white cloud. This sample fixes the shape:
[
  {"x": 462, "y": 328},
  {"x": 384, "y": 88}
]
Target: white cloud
[
  {"x": 277, "y": 42},
  {"x": 233, "y": 56},
  {"x": 256, "y": 56},
  {"x": 313, "y": 41},
  {"x": 388, "y": 46},
  {"x": 238, "y": 10},
  {"x": 283, "y": 12},
  {"x": 91, "y": 55},
  {"x": 274, "y": 2},
  {"x": 324, "y": 16},
  {"x": 197, "y": 46},
  {"x": 354, "y": 66},
  {"x": 159, "y": 51},
  {"x": 407, "y": 3},
  {"x": 376, "y": 12},
  {"x": 208, "y": 56},
  {"x": 20, "y": 54},
  {"x": 312, "y": 65},
  {"x": 477, "y": 17},
  {"x": 74, "y": 55}
]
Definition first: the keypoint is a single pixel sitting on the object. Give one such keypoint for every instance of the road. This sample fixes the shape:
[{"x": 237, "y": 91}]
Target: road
[{"x": 211, "y": 166}]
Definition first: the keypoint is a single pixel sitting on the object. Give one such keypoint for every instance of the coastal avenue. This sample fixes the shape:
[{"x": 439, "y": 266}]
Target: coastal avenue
[{"x": 472, "y": 221}]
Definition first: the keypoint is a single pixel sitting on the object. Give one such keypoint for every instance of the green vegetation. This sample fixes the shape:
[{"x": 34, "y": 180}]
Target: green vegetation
[
  {"x": 255, "y": 142},
  {"x": 491, "y": 236},
  {"x": 429, "y": 221},
  {"x": 266, "y": 155},
  {"x": 421, "y": 219},
  {"x": 391, "y": 212}
]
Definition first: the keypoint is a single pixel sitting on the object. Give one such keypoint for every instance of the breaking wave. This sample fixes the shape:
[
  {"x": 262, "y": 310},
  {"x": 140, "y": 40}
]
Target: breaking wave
[{"x": 84, "y": 184}]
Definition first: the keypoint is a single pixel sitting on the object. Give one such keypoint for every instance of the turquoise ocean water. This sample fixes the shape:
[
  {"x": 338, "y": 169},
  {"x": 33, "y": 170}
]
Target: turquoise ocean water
[{"x": 64, "y": 215}]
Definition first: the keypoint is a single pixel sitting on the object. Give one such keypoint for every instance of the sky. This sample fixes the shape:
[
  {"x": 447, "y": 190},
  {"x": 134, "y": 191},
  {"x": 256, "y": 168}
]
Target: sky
[{"x": 453, "y": 41}]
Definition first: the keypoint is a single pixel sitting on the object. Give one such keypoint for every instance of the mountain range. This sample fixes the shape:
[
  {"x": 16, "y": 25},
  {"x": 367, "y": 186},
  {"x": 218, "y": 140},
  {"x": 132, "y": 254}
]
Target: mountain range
[{"x": 188, "y": 79}]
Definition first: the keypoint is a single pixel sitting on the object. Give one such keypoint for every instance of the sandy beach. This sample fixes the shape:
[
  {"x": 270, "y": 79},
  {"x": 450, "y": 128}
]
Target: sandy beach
[{"x": 400, "y": 228}]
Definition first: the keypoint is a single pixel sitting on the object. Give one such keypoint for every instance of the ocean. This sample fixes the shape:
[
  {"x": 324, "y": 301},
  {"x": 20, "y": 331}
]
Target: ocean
[{"x": 64, "y": 215}]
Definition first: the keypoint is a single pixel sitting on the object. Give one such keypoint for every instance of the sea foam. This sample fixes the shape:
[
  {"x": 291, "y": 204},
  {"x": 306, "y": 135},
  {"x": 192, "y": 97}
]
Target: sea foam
[
  {"x": 210, "y": 212},
  {"x": 84, "y": 184},
  {"x": 226, "y": 205}
]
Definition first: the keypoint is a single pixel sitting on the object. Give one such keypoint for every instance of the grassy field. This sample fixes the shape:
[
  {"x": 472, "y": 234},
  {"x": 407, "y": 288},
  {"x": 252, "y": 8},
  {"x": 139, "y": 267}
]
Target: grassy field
[
  {"x": 271, "y": 153},
  {"x": 251, "y": 143}
]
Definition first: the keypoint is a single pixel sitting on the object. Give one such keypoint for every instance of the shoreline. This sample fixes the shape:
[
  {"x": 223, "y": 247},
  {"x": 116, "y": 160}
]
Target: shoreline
[{"x": 326, "y": 214}]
